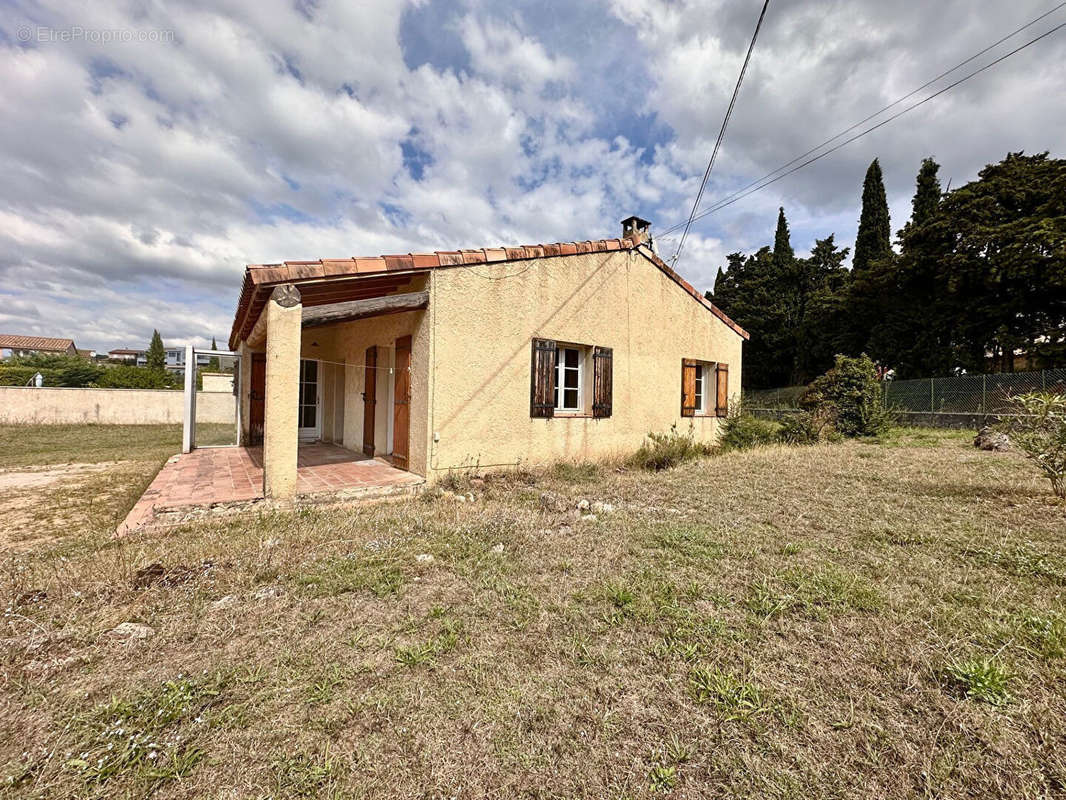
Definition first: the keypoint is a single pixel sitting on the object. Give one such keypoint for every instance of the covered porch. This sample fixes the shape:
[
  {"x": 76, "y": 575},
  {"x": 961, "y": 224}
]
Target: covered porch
[
  {"x": 232, "y": 477},
  {"x": 338, "y": 361}
]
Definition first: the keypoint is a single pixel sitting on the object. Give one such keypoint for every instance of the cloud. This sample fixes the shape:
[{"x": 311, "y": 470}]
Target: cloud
[{"x": 141, "y": 176}]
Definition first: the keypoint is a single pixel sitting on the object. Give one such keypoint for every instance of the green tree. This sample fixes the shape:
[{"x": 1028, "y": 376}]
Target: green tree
[
  {"x": 872, "y": 270},
  {"x": 998, "y": 245},
  {"x": 872, "y": 241},
  {"x": 822, "y": 330},
  {"x": 156, "y": 356},
  {"x": 927, "y": 194},
  {"x": 213, "y": 364}
]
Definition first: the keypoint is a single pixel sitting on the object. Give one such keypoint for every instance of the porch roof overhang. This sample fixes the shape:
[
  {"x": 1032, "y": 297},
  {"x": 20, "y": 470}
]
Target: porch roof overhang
[{"x": 315, "y": 290}]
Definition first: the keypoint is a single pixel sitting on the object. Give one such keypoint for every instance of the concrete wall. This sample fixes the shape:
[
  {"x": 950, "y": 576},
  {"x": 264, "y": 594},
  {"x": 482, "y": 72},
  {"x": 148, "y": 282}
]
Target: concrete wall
[
  {"x": 217, "y": 382},
  {"x": 483, "y": 325},
  {"x": 53, "y": 405}
]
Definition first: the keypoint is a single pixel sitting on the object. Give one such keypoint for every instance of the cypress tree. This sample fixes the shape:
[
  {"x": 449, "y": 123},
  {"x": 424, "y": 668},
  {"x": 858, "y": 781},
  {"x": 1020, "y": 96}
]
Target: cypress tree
[
  {"x": 156, "y": 355},
  {"x": 783, "y": 254},
  {"x": 875, "y": 228},
  {"x": 927, "y": 192}
]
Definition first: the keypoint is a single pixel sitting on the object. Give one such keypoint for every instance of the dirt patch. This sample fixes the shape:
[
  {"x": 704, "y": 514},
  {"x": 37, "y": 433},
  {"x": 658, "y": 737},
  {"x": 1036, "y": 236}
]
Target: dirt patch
[
  {"x": 40, "y": 506},
  {"x": 35, "y": 478}
]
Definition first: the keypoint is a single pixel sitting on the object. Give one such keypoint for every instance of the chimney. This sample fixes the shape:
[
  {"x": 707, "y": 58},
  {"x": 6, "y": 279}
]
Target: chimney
[{"x": 636, "y": 230}]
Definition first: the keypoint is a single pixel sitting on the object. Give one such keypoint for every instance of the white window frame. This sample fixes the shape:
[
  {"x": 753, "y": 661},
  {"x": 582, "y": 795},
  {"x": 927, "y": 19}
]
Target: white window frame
[
  {"x": 701, "y": 392},
  {"x": 707, "y": 388},
  {"x": 560, "y": 369}
]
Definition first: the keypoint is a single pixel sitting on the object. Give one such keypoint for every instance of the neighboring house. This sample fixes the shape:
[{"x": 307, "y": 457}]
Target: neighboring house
[
  {"x": 480, "y": 359},
  {"x": 137, "y": 357},
  {"x": 175, "y": 359},
  {"x": 16, "y": 345}
]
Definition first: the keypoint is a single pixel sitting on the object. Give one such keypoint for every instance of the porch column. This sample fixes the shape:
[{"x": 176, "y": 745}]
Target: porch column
[{"x": 284, "y": 312}]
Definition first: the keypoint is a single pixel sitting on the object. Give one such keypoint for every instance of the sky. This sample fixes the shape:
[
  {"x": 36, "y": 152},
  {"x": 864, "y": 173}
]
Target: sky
[{"x": 150, "y": 150}]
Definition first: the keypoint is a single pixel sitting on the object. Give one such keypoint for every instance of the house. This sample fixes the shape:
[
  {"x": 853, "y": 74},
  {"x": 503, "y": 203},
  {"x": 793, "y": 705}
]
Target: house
[
  {"x": 136, "y": 357},
  {"x": 481, "y": 359},
  {"x": 18, "y": 345}
]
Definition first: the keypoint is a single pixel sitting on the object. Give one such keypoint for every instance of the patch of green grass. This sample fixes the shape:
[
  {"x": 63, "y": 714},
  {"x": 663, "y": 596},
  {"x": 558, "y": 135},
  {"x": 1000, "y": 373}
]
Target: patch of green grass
[
  {"x": 303, "y": 775},
  {"x": 576, "y": 471},
  {"x": 419, "y": 653},
  {"x": 1024, "y": 561},
  {"x": 983, "y": 679},
  {"x": 738, "y": 698},
  {"x": 662, "y": 778},
  {"x": 380, "y": 575},
  {"x": 620, "y": 595},
  {"x": 834, "y": 590},
  {"x": 1045, "y": 633},
  {"x": 145, "y": 740},
  {"x": 690, "y": 542},
  {"x": 766, "y": 600},
  {"x": 321, "y": 691}
]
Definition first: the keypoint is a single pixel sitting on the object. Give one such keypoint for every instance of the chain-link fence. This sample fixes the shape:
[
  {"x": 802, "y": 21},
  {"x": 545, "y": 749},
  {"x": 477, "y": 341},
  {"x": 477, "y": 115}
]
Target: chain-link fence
[{"x": 961, "y": 401}]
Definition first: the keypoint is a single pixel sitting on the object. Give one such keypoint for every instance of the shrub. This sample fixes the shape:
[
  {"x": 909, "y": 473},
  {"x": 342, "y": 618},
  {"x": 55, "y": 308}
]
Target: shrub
[
  {"x": 741, "y": 431},
  {"x": 23, "y": 376},
  {"x": 799, "y": 429},
  {"x": 664, "y": 450},
  {"x": 57, "y": 370},
  {"x": 849, "y": 397},
  {"x": 1038, "y": 429},
  {"x": 130, "y": 377}
]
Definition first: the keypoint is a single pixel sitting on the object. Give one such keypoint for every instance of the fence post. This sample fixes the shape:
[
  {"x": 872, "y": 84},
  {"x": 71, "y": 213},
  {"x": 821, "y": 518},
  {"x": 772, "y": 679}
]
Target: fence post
[
  {"x": 931, "y": 409},
  {"x": 984, "y": 394},
  {"x": 1043, "y": 380}
]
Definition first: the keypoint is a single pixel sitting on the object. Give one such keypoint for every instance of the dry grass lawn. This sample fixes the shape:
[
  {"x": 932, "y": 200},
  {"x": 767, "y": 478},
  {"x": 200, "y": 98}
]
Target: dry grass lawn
[{"x": 879, "y": 619}]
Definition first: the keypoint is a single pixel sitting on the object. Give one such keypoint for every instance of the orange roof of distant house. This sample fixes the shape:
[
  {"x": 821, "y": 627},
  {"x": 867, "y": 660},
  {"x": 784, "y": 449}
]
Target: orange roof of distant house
[
  {"x": 122, "y": 351},
  {"x": 259, "y": 279},
  {"x": 12, "y": 341}
]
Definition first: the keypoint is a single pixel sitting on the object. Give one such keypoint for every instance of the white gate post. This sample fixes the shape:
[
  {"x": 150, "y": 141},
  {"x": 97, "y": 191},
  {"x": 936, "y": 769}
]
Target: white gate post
[{"x": 188, "y": 429}]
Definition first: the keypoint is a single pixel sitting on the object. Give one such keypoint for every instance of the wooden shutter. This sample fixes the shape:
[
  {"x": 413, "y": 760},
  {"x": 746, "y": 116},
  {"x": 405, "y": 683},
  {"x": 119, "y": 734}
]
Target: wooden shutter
[
  {"x": 542, "y": 378},
  {"x": 688, "y": 388},
  {"x": 722, "y": 402},
  {"x": 602, "y": 381}
]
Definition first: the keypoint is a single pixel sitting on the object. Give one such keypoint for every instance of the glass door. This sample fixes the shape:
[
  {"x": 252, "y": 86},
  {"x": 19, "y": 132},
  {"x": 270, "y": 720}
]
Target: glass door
[{"x": 308, "y": 415}]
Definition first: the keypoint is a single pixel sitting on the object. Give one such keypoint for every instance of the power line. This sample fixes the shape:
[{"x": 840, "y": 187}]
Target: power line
[
  {"x": 759, "y": 183},
  {"x": 721, "y": 133}
]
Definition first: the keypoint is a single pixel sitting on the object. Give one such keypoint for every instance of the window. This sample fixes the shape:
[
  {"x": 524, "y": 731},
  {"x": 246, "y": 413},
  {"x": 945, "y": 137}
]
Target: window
[
  {"x": 569, "y": 372},
  {"x": 704, "y": 388},
  {"x": 570, "y": 379}
]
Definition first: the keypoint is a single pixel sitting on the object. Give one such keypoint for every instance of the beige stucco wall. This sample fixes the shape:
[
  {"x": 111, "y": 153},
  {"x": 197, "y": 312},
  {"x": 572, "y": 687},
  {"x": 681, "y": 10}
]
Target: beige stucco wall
[
  {"x": 55, "y": 405},
  {"x": 479, "y": 396},
  {"x": 217, "y": 382}
]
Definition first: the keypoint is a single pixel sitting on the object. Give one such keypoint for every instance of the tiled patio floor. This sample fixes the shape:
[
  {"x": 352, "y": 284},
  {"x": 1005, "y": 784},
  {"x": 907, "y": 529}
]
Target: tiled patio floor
[{"x": 222, "y": 475}]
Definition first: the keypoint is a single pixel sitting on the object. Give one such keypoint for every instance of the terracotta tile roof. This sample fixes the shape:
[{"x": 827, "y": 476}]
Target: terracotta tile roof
[
  {"x": 395, "y": 270},
  {"x": 15, "y": 342}
]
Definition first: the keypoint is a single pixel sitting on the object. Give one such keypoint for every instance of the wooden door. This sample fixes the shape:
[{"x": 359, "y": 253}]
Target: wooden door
[
  {"x": 257, "y": 398},
  {"x": 401, "y": 421},
  {"x": 370, "y": 393}
]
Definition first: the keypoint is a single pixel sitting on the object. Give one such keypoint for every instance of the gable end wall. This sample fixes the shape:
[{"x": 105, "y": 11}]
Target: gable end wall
[{"x": 484, "y": 317}]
